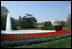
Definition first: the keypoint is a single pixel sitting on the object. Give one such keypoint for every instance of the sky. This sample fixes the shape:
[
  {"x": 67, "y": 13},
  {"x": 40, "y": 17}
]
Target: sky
[{"x": 41, "y": 10}]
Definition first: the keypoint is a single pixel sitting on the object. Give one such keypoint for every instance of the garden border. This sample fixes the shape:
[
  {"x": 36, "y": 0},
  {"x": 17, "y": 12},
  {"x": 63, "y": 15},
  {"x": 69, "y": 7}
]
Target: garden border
[{"x": 15, "y": 43}]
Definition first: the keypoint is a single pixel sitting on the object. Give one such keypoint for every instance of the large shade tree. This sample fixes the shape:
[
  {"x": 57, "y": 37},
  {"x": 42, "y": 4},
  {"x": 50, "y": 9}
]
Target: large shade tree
[
  {"x": 4, "y": 12},
  {"x": 14, "y": 23},
  {"x": 68, "y": 22},
  {"x": 27, "y": 21},
  {"x": 62, "y": 23},
  {"x": 47, "y": 23}
]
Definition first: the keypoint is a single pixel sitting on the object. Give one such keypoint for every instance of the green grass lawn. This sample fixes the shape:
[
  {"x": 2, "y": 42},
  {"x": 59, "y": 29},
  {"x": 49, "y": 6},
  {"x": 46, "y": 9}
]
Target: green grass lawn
[
  {"x": 65, "y": 28},
  {"x": 37, "y": 28},
  {"x": 62, "y": 43}
]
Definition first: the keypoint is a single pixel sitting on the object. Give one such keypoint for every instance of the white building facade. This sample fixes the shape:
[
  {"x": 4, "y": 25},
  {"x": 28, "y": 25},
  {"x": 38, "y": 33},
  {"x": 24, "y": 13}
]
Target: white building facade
[{"x": 55, "y": 22}]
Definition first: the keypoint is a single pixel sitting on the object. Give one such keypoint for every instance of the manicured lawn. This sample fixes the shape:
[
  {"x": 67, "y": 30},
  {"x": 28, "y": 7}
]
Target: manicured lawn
[
  {"x": 65, "y": 28},
  {"x": 37, "y": 28},
  {"x": 62, "y": 43}
]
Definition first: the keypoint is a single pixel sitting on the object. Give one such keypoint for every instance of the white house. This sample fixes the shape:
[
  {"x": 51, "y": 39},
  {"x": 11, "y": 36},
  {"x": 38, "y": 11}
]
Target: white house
[{"x": 55, "y": 22}]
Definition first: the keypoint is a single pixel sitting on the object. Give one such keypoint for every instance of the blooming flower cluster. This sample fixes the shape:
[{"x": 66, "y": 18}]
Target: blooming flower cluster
[{"x": 34, "y": 35}]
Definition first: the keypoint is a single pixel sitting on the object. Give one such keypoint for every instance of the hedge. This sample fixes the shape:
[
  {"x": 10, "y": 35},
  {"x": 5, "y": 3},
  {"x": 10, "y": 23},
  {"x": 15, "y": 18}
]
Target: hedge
[{"x": 52, "y": 28}]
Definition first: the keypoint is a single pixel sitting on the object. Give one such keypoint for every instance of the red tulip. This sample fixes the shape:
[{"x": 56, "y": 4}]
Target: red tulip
[
  {"x": 15, "y": 37},
  {"x": 12, "y": 35},
  {"x": 11, "y": 39},
  {"x": 18, "y": 37},
  {"x": 38, "y": 36},
  {"x": 23, "y": 38},
  {"x": 7, "y": 37},
  {"x": 4, "y": 37}
]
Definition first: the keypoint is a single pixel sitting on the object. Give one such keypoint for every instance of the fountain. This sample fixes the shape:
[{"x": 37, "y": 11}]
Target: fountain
[
  {"x": 8, "y": 24},
  {"x": 9, "y": 31}
]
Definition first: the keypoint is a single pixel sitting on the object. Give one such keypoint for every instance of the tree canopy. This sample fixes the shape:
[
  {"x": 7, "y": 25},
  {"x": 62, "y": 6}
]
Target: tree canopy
[
  {"x": 4, "y": 12},
  {"x": 27, "y": 21},
  {"x": 62, "y": 23},
  {"x": 47, "y": 23},
  {"x": 68, "y": 22}
]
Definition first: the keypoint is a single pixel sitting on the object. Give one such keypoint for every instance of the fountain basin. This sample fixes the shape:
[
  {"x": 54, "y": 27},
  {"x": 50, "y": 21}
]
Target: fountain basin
[
  {"x": 26, "y": 31},
  {"x": 15, "y": 33}
]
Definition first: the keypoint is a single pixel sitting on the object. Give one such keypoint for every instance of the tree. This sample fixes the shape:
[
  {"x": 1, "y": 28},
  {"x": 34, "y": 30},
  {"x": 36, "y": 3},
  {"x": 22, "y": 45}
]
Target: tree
[
  {"x": 19, "y": 21},
  {"x": 27, "y": 21},
  {"x": 29, "y": 15},
  {"x": 68, "y": 22},
  {"x": 47, "y": 23},
  {"x": 62, "y": 23},
  {"x": 4, "y": 12},
  {"x": 32, "y": 19},
  {"x": 14, "y": 23}
]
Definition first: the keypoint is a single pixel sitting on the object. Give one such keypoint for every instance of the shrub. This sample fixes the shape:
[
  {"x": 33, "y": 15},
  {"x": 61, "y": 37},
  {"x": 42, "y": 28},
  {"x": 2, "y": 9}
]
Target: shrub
[
  {"x": 18, "y": 28},
  {"x": 48, "y": 28},
  {"x": 52, "y": 28},
  {"x": 47, "y": 23},
  {"x": 58, "y": 28},
  {"x": 14, "y": 28},
  {"x": 64, "y": 28},
  {"x": 2, "y": 28}
]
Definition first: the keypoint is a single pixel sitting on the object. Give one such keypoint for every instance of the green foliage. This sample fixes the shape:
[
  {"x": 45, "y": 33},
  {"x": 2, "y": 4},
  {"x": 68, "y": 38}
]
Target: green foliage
[
  {"x": 4, "y": 12},
  {"x": 48, "y": 28},
  {"x": 33, "y": 28},
  {"x": 62, "y": 43},
  {"x": 52, "y": 28},
  {"x": 27, "y": 21},
  {"x": 65, "y": 28},
  {"x": 58, "y": 28},
  {"x": 14, "y": 28},
  {"x": 62, "y": 23},
  {"x": 68, "y": 22},
  {"x": 18, "y": 27},
  {"x": 3, "y": 20},
  {"x": 14, "y": 23},
  {"x": 48, "y": 23}
]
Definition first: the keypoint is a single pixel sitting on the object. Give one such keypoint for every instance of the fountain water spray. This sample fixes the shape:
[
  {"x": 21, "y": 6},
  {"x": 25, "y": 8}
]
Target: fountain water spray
[{"x": 8, "y": 23}]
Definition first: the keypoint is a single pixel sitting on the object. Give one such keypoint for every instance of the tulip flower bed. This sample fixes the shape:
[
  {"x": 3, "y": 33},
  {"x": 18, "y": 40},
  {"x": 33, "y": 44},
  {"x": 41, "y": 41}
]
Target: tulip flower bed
[{"x": 19, "y": 39}]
